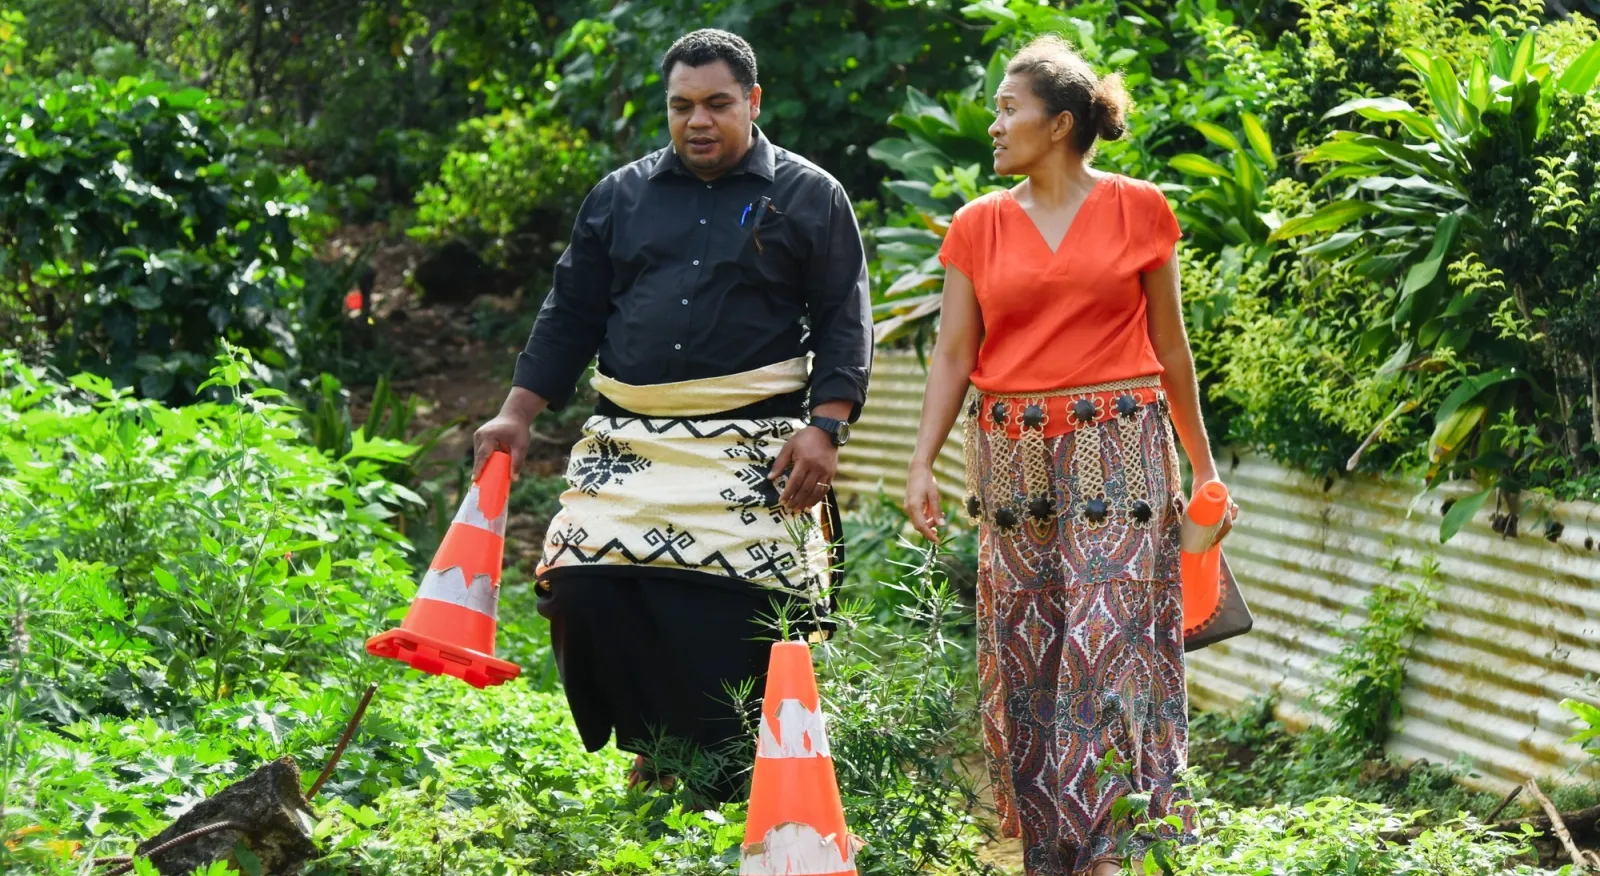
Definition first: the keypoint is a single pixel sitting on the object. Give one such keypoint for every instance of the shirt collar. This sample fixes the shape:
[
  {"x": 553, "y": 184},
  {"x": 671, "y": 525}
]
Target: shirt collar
[{"x": 760, "y": 160}]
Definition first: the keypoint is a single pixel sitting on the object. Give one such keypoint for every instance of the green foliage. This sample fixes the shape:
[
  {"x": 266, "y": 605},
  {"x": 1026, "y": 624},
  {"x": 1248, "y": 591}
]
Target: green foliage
[
  {"x": 829, "y": 72},
  {"x": 1482, "y": 269},
  {"x": 899, "y": 716},
  {"x": 208, "y": 550},
  {"x": 1361, "y": 691},
  {"x": 138, "y": 228},
  {"x": 1589, "y": 715},
  {"x": 211, "y": 574},
  {"x": 509, "y": 182},
  {"x": 1340, "y": 835},
  {"x": 945, "y": 157},
  {"x": 1229, "y": 206}
]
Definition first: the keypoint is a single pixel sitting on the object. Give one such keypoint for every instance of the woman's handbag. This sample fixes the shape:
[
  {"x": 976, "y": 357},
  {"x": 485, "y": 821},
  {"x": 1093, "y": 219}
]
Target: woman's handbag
[{"x": 1231, "y": 618}]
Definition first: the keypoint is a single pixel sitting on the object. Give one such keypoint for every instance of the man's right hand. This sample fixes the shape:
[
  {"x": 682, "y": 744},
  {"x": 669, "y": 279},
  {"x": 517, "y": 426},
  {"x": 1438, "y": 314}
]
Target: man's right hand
[{"x": 507, "y": 432}]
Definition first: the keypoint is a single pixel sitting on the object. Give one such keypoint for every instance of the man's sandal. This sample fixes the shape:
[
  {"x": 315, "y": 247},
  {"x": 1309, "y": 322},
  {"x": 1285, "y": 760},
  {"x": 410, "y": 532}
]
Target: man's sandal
[{"x": 644, "y": 776}]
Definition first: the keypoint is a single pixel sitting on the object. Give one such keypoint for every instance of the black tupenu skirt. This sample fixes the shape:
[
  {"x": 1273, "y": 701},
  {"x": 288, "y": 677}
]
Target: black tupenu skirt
[{"x": 651, "y": 657}]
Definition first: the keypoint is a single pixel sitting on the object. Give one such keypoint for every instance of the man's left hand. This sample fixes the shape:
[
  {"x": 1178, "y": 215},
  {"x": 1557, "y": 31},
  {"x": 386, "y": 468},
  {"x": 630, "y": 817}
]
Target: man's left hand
[{"x": 811, "y": 459}]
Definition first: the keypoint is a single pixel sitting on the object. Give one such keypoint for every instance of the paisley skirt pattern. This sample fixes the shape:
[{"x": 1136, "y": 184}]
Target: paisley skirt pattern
[{"x": 1080, "y": 639}]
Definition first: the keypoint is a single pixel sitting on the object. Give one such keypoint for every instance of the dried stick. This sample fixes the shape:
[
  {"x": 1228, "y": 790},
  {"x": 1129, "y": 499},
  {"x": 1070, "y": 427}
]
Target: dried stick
[
  {"x": 1503, "y": 804},
  {"x": 1558, "y": 826},
  {"x": 126, "y": 861},
  {"x": 349, "y": 730}
]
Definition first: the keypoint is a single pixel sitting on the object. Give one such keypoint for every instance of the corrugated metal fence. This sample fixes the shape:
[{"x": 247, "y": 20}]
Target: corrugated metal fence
[{"x": 1517, "y": 630}]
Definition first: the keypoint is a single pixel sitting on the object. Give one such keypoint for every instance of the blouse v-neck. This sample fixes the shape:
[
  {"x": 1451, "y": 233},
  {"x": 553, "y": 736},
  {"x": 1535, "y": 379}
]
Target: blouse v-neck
[{"x": 1072, "y": 224}]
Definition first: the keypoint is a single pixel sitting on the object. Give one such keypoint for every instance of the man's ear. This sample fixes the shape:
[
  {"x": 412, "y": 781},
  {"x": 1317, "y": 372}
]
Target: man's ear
[{"x": 755, "y": 102}]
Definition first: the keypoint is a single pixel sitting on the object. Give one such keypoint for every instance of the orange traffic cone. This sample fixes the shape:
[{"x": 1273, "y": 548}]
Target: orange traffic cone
[
  {"x": 795, "y": 826},
  {"x": 450, "y": 628},
  {"x": 1200, "y": 556}
]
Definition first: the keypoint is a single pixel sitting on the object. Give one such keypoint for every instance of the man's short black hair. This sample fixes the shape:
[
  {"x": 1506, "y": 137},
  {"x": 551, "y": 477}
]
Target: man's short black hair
[{"x": 709, "y": 45}]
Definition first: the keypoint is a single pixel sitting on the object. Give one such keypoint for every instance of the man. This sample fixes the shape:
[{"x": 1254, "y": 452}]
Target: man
[{"x": 722, "y": 282}]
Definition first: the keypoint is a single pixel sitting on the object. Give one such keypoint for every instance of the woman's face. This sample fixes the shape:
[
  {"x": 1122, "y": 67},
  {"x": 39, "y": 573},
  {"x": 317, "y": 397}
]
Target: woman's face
[{"x": 1024, "y": 131}]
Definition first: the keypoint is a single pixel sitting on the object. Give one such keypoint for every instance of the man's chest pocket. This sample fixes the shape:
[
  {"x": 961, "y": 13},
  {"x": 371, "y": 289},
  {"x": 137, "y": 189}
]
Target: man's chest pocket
[{"x": 771, "y": 248}]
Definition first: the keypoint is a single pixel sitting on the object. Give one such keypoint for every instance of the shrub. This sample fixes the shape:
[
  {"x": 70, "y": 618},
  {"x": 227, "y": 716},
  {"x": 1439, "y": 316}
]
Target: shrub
[
  {"x": 1482, "y": 276},
  {"x": 511, "y": 182},
  {"x": 210, "y": 551},
  {"x": 140, "y": 227},
  {"x": 1340, "y": 835}
]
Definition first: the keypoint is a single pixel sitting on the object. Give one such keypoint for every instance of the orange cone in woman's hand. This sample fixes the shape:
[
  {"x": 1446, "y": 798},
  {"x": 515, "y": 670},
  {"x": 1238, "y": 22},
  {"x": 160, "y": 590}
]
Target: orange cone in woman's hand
[
  {"x": 1200, "y": 555},
  {"x": 450, "y": 628},
  {"x": 795, "y": 826}
]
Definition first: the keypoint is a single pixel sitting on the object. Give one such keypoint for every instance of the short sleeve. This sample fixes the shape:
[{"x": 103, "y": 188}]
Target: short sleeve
[
  {"x": 957, "y": 247},
  {"x": 1164, "y": 230}
]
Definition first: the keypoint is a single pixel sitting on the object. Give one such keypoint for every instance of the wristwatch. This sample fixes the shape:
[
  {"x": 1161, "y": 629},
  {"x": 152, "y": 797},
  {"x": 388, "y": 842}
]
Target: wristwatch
[{"x": 838, "y": 430}]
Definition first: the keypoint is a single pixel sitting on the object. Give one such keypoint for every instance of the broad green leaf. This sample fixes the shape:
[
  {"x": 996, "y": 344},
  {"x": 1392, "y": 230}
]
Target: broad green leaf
[
  {"x": 1331, "y": 217},
  {"x": 1260, "y": 142},
  {"x": 1199, "y": 165},
  {"x": 1336, "y": 243},
  {"x": 916, "y": 193},
  {"x": 1586, "y": 713},
  {"x": 93, "y": 383},
  {"x": 1478, "y": 85},
  {"x": 1462, "y": 513},
  {"x": 1522, "y": 59},
  {"x": 1343, "y": 151},
  {"x": 1219, "y": 135},
  {"x": 1445, "y": 90},
  {"x": 1580, "y": 75},
  {"x": 1423, "y": 272},
  {"x": 1387, "y": 105},
  {"x": 1251, "y": 184},
  {"x": 189, "y": 98},
  {"x": 1409, "y": 183},
  {"x": 1472, "y": 387},
  {"x": 1500, "y": 58},
  {"x": 910, "y": 282},
  {"x": 1391, "y": 109}
]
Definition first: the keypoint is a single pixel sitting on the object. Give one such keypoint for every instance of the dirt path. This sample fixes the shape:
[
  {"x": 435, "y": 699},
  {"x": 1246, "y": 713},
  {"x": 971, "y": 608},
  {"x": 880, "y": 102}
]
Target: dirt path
[{"x": 455, "y": 357}]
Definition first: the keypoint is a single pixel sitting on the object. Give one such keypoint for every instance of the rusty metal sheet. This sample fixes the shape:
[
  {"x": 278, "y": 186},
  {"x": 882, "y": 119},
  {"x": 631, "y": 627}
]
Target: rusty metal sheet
[{"x": 1517, "y": 630}]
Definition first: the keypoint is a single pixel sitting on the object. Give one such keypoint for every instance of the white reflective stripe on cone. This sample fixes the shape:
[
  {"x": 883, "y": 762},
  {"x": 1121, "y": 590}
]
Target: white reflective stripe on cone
[
  {"x": 792, "y": 849},
  {"x": 470, "y": 514},
  {"x": 450, "y": 585},
  {"x": 800, "y": 733}
]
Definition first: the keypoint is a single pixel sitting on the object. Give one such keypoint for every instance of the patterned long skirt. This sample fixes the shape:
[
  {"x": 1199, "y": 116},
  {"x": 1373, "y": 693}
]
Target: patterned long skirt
[{"x": 1080, "y": 625}]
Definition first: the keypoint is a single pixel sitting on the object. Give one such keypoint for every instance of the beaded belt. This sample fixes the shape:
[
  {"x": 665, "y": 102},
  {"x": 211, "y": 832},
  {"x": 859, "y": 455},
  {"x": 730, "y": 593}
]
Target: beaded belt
[{"x": 1025, "y": 420}]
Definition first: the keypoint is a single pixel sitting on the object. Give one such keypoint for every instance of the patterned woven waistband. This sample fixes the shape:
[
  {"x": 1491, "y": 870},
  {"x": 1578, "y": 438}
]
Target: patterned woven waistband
[
  {"x": 1019, "y": 424},
  {"x": 1146, "y": 382}
]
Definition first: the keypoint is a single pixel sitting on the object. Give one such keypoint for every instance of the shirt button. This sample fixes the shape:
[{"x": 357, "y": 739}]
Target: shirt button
[
  {"x": 677, "y": 346},
  {"x": 685, "y": 301},
  {"x": 702, "y": 221},
  {"x": 697, "y": 261}
]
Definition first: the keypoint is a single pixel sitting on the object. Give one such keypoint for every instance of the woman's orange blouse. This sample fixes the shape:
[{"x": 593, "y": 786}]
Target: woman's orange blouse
[{"x": 1069, "y": 318}]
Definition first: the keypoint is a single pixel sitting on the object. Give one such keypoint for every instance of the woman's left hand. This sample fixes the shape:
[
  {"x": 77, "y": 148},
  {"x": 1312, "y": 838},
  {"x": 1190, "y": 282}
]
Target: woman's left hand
[{"x": 1228, "y": 519}]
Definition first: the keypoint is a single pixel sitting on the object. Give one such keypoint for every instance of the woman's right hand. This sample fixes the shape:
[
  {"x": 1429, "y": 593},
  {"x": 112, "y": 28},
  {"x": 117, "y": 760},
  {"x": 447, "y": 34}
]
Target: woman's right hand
[{"x": 923, "y": 504}]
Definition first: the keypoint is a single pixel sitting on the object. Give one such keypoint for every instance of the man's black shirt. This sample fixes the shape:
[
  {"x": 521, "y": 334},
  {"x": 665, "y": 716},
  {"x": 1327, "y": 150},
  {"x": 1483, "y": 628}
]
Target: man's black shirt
[{"x": 670, "y": 278}]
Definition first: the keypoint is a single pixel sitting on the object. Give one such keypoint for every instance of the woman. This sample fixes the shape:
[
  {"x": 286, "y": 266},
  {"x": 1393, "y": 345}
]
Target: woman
[{"x": 1061, "y": 308}]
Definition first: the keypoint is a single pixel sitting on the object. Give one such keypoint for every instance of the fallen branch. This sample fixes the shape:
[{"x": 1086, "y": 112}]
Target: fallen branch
[
  {"x": 338, "y": 752},
  {"x": 1579, "y": 859},
  {"x": 125, "y": 862}
]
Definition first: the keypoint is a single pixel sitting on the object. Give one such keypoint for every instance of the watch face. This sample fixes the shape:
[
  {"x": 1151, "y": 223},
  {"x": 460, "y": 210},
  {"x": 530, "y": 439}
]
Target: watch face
[{"x": 843, "y": 434}]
